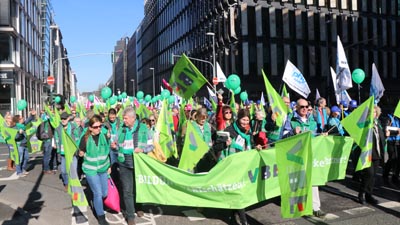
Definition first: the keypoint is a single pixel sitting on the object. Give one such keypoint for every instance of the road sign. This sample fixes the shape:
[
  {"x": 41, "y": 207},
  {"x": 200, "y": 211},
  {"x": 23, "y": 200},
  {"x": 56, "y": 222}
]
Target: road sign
[
  {"x": 215, "y": 80},
  {"x": 50, "y": 80}
]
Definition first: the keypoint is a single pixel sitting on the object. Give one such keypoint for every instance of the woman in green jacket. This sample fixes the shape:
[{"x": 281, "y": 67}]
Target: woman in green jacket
[{"x": 94, "y": 147}]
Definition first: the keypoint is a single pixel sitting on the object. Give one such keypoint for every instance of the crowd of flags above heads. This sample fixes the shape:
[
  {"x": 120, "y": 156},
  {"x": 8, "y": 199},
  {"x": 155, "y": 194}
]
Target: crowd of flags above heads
[{"x": 186, "y": 80}]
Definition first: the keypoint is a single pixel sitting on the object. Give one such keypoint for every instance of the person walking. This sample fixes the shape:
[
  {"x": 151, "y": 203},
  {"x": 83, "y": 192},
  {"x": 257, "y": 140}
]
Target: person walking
[
  {"x": 132, "y": 139},
  {"x": 94, "y": 147}
]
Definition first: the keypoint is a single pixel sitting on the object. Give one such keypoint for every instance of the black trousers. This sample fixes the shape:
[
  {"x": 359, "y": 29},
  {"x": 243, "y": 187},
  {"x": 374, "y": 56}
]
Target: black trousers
[
  {"x": 393, "y": 161},
  {"x": 367, "y": 177}
]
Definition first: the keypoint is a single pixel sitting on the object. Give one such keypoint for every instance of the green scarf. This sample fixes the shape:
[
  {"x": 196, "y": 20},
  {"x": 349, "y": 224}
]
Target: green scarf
[{"x": 246, "y": 137}]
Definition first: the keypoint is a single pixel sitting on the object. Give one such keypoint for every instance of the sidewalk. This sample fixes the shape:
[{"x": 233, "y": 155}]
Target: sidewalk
[{"x": 34, "y": 199}]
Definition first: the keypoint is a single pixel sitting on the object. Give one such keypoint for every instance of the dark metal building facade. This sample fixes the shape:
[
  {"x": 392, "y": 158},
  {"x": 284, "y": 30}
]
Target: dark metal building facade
[{"x": 254, "y": 35}]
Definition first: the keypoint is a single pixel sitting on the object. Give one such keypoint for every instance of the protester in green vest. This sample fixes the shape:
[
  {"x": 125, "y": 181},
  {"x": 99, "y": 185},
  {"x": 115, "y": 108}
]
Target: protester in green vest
[
  {"x": 19, "y": 123},
  {"x": 303, "y": 121},
  {"x": 113, "y": 124},
  {"x": 94, "y": 147},
  {"x": 240, "y": 139},
  {"x": 69, "y": 128},
  {"x": 133, "y": 138},
  {"x": 201, "y": 125}
]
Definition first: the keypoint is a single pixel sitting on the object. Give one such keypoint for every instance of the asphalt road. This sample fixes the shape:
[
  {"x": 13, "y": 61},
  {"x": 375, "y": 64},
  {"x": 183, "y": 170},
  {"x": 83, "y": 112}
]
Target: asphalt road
[{"x": 41, "y": 199}]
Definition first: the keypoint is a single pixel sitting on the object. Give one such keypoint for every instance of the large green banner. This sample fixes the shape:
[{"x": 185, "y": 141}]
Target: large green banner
[
  {"x": 238, "y": 181},
  {"x": 330, "y": 158}
]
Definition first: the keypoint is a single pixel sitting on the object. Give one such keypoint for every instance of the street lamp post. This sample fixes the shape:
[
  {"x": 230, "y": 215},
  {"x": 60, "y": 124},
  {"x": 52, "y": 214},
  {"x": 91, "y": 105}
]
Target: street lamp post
[
  {"x": 133, "y": 87},
  {"x": 154, "y": 85},
  {"x": 214, "y": 60}
]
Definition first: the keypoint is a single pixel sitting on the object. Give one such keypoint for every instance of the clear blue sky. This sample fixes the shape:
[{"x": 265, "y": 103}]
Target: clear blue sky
[{"x": 94, "y": 26}]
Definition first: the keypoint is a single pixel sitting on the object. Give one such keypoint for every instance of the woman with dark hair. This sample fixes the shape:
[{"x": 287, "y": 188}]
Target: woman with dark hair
[
  {"x": 240, "y": 139},
  {"x": 224, "y": 115},
  {"x": 94, "y": 147}
]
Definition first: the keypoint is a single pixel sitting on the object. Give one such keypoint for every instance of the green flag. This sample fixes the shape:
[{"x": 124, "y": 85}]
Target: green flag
[
  {"x": 55, "y": 119},
  {"x": 277, "y": 105},
  {"x": 143, "y": 111},
  {"x": 359, "y": 124},
  {"x": 74, "y": 185},
  {"x": 9, "y": 136},
  {"x": 67, "y": 109},
  {"x": 284, "y": 92},
  {"x": 294, "y": 159},
  {"x": 163, "y": 128},
  {"x": 397, "y": 110},
  {"x": 232, "y": 104},
  {"x": 193, "y": 149},
  {"x": 32, "y": 127},
  {"x": 186, "y": 79}
]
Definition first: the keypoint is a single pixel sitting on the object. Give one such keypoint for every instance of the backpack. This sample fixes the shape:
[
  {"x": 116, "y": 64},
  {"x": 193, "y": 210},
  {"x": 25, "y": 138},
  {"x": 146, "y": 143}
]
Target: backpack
[{"x": 43, "y": 132}]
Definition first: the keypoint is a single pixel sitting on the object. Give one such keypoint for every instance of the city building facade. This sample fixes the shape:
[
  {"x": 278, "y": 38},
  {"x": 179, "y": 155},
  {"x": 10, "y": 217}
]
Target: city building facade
[
  {"x": 252, "y": 35},
  {"x": 30, "y": 46}
]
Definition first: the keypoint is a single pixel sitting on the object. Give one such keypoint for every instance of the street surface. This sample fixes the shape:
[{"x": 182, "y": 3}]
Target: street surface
[{"x": 39, "y": 199}]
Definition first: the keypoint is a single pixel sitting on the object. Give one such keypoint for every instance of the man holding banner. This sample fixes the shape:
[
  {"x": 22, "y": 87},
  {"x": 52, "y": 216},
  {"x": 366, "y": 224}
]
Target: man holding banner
[{"x": 301, "y": 122}]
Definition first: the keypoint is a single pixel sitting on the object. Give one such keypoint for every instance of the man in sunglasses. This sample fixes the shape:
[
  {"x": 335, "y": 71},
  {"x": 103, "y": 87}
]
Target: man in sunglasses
[
  {"x": 303, "y": 121},
  {"x": 112, "y": 124}
]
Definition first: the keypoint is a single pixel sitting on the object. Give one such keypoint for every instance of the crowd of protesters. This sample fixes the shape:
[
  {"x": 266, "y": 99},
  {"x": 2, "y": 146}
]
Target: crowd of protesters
[{"x": 107, "y": 143}]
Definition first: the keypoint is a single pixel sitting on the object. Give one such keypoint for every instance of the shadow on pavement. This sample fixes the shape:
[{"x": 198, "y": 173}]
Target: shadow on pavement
[{"x": 32, "y": 206}]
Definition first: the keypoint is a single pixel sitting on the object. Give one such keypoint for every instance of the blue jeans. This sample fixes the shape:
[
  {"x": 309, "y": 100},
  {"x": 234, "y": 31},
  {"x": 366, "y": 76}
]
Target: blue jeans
[
  {"x": 113, "y": 156},
  {"x": 47, "y": 148},
  {"x": 23, "y": 159},
  {"x": 128, "y": 190},
  {"x": 99, "y": 186},
  {"x": 73, "y": 166}
]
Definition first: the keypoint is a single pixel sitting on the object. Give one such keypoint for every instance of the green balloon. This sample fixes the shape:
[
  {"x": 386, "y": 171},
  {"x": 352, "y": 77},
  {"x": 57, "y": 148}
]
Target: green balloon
[
  {"x": 237, "y": 90},
  {"x": 227, "y": 85},
  {"x": 139, "y": 95},
  {"x": 91, "y": 98},
  {"x": 165, "y": 94},
  {"x": 171, "y": 99},
  {"x": 72, "y": 99},
  {"x": 243, "y": 96},
  {"x": 233, "y": 81},
  {"x": 147, "y": 98},
  {"x": 106, "y": 92},
  {"x": 21, "y": 105},
  {"x": 124, "y": 95},
  {"x": 57, "y": 99},
  {"x": 113, "y": 100},
  {"x": 119, "y": 97},
  {"x": 131, "y": 98},
  {"x": 358, "y": 76}
]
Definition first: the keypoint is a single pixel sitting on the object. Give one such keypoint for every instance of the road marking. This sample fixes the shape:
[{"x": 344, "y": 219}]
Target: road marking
[
  {"x": 193, "y": 215},
  {"x": 79, "y": 216},
  {"x": 3, "y": 168},
  {"x": 14, "y": 176},
  {"x": 2, "y": 160},
  {"x": 4, "y": 154},
  {"x": 390, "y": 204},
  {"x": 359, "y": 210}
]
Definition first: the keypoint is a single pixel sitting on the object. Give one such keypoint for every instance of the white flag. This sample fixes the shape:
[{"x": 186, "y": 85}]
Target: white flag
[
  {"x": 342, "y": 95},
  {"x": 376, "y": 87},
  {"x": 342, "y": 68},
  {"x": 317, "y": 95},
  {"x": 220, "y": 74},
  {"x": 295, "y": 80},
  {"x": 262, "y": 100},
  {"x": 212, "y": 95}
]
